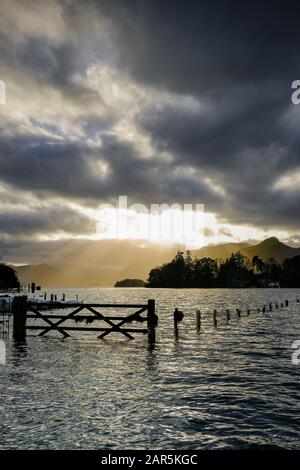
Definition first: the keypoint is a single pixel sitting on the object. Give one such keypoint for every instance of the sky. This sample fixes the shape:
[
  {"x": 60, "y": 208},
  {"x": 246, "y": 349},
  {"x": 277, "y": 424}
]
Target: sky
[{"x": 162, "y": 101}]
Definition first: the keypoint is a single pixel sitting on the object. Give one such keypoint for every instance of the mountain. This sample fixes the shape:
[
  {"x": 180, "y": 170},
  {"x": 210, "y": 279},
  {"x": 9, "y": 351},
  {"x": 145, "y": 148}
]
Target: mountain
[
  {"x": 269, "y": 248},
  {"x": 221, "y": 251},
  {"x": 103, "y": 263},
  {"x": 98, "y": 264}
]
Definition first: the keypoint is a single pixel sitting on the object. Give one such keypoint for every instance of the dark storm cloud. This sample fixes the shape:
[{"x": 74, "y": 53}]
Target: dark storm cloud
[
  {"x": 242, "y": 144},
  {"x": 39, "y": 164},
  {"x": 237, "y": 59},
  {"x": 208, "y": 46},
  {"x": 44, "y": 221},
  {"x": 74, "y": 171},
  {"x": 223, "y": 137},
  {"x": 52, "y": 65}
]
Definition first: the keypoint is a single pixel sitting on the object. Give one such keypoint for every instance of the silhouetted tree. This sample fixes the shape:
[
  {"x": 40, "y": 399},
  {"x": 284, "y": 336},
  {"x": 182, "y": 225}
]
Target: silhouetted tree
[
  {"x": 258, "y": 265},
  {"x": 273, "y": 270},
  {"x": 8, "y": 277},
  {"x": 291, "y": 272},
  {"x": 205, "y": 272},
  {"x": 236, "y": 271}
]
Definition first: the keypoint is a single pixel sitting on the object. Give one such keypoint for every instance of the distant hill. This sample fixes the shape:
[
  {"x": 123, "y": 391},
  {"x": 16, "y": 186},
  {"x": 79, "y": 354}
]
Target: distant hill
[
  {"x": 269, "y": 248},
  {"x": 272, "y": 248},
  {"x": 102, "y": 263},
  {"x": 130, "y": 283},
  {"x": 98, "y": 264},
  {"x": 221, "y": 251}
]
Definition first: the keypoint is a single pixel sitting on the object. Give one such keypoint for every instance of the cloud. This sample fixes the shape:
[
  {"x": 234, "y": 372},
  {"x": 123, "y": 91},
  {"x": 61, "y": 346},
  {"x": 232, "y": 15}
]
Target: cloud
[
  {"x": 161, "y": 101},
  {"x": 45, "y": 221}
]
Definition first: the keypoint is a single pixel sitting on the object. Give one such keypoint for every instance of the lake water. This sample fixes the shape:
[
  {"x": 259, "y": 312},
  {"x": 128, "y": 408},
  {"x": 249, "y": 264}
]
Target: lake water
[{"x": 233, "y": 386}]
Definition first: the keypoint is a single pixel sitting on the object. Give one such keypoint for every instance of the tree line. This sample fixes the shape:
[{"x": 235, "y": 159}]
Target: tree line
[
  {"x": 8, "y": 277},
  {"x": 236, "y": 271}
]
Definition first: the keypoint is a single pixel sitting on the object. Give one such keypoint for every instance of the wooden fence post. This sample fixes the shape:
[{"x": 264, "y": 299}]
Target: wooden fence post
[
  {"x": 215, "y": 321},
  {"x": 198, "y": 320},
  {"x": 178, "y": 316},
  {"x": 19, "y": 308},
  {"x": 152, "y": 320}
]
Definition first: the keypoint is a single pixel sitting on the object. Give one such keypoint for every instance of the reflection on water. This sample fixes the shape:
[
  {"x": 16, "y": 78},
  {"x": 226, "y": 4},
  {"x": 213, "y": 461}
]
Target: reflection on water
[{"x": 229, "y": 386}]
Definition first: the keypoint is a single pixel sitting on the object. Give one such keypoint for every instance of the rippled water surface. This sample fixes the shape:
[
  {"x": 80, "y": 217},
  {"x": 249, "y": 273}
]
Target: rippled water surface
[{"x": 227, "y": 387}]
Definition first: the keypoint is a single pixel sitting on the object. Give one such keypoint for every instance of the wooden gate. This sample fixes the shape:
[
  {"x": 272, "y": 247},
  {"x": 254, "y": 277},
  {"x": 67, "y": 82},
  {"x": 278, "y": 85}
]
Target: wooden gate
[{"x": 90, "y": 313}]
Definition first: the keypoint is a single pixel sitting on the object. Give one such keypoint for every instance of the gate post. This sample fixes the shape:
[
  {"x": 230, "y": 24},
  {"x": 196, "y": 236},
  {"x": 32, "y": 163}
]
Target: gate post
[
  {"x": 152, "y": 320},
  {"x": 19, "y": 309}
]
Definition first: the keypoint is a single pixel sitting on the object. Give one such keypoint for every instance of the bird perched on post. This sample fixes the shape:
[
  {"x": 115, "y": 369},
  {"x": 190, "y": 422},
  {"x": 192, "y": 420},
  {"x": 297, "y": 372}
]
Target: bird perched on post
[{"x": 178, "y": 315}]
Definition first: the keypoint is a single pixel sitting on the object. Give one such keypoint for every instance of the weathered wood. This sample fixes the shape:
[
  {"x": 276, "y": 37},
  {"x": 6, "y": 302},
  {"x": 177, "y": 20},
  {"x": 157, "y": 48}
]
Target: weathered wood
[
  {"x": 71, "y": 305},
  {"x": 198, "y": 320},
  {"x": 128, "y": 319},
  {"x": 96, "y": 316},
  {"x": 114, "y": 326},
  {"x": 78, "y": 317},
  {"x": 52, "y": 325},
  {"x": 19, "y": 309},
  {"x": 90, "y": 328},
  {"x": 56, "y": 325},
  {"x": 152, "y": 320}
]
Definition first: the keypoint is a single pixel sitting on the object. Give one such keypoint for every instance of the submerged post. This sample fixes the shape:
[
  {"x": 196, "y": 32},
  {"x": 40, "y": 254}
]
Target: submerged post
[
  {"x": 19, "y": 308},
  {"x": 198, "y": 320},
  {"x": 286, "y": 303},
  {"x": 228, "y": 314},
  {"x": 152, "y": 320},
  {"x": 215, "y": 321},
  {"x": 178, "y": 316}
]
